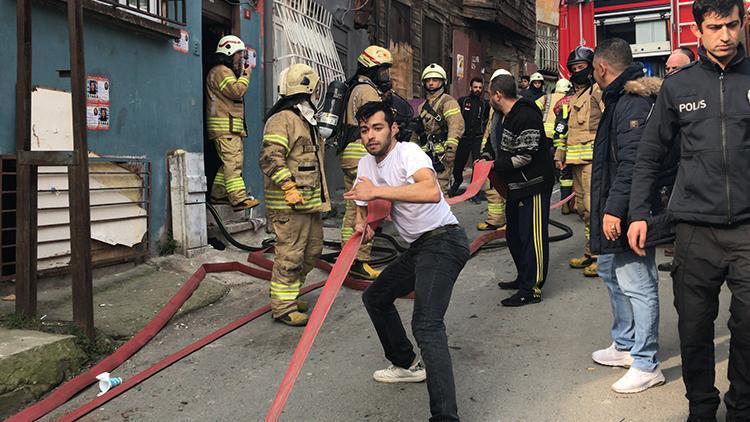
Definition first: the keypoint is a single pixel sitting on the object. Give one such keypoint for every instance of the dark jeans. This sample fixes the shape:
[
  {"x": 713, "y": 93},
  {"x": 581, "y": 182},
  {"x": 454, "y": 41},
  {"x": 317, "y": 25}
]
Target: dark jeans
[
  {"x": 704, "y": 258},
  {"x": 527, "y": 236},
  {"x": 467, "y": 146},
  {"x": 429, "y": 268}
]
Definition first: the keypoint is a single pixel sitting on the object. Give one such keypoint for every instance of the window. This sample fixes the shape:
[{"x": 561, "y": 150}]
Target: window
[
  {"x": 432, "y": 43},
  {"x": 546, "y": 47},
  {"x": 399, "y": 23}
]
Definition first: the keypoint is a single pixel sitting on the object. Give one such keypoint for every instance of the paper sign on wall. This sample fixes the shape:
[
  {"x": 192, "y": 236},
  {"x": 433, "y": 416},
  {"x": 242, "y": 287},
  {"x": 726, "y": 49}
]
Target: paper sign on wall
[
  {"x": 97, "y": 103},
  {"x": 183, "y": 43},
  {"x": 251, "y": 58},
  {"x": 460, "y": 66}
]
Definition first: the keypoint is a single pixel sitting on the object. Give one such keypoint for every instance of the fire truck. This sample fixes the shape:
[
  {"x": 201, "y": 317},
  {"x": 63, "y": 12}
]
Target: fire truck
[{"x": 653, "y": 28}]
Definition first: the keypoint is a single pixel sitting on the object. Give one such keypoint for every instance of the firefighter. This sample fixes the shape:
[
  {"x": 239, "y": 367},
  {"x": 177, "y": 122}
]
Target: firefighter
[
  {"x": 536, "y": 88},
  {"x": 291, "y": 159},
  {"x": 577, "y": 150},
  {"x": 442, "y": 122},
  {"x": 226, "y": 85},
  {"x": 560, "y": 132},
  {"x": 370, "y": 83}
]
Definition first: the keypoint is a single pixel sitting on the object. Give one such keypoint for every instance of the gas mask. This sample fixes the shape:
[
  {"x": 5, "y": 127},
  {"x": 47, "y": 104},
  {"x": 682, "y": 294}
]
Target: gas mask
[{"x": 583, "y": 77}]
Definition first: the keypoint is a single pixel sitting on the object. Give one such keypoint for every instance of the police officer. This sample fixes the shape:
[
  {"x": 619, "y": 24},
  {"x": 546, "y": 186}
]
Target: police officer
[
  {"x": 577, "y": 150},
  {"x": 291, "y": 159},
  {"x": 226, "y": 85},
  {"x": 442, "y": 122},
  {"x": 707, "y": 104},
  {"x": 370, "y": 83},
  {"x": 475, "y": 111}
]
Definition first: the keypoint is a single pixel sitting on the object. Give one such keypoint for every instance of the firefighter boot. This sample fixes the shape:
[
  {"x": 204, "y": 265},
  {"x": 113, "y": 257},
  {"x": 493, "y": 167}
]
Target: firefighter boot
[
  {"x": 582, "y": 262},
  {"x": 485, "y": 227},
  {"x": 246, "y": 204},
  {"x": 591, "y": 270},
  {"x": 294, "y": 319},
  {"x": 363, "y": 270},
  {"x": 302, "y": 306}
]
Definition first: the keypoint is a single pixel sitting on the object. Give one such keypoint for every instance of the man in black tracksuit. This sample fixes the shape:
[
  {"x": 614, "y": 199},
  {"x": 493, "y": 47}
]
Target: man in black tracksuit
[
  {"x": 708, "y": 104},
  {"x": 476, "y": 111},
  {"x": 523, "y": 161}
]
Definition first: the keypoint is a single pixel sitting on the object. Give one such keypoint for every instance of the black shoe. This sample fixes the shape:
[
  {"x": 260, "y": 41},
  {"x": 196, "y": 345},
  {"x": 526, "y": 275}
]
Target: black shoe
[
  {"x": 667, "y": 266},
  {"x": 509, "y": 285},
  {"x": 520, "y": 299},
  {"x": 693, "y": 418}
]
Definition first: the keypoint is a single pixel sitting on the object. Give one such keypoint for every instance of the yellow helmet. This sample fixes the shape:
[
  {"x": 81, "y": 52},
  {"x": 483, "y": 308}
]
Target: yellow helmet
[
  {"x": 229, "y": 45},
  {"x": 536, "y": 77},
  {"x": 375, "y": 56},
  {"x": 434, "y": 71},
  {"x": 298, "y": 79}
]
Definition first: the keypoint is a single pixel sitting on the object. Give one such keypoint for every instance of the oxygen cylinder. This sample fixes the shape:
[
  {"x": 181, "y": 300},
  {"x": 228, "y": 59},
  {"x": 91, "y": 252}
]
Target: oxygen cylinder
[{"x": 332, "y": 110}]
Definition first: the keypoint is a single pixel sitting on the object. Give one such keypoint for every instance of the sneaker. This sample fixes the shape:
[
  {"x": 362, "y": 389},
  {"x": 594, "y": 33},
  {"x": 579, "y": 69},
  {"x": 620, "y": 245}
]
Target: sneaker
[
  {"x": 394, "y": 374},
  {"x": 293, "y": 319},
  {"x": 636, "y": 380},
  {"x": 509, "y": 285},
  {"x": 246, "y": 204},
  {"x": 591, "y": 271},
  {"x": 612, "y": 357},
  {"x": 520, "y": 299},
  {"x": 363, "y": 270},
  {"x": 581, "y": 262},
  {"x": 666, "y": 267}
]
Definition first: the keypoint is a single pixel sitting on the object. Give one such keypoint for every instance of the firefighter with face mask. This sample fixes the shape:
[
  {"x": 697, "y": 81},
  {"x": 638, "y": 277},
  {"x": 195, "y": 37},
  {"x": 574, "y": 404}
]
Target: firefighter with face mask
[
  {"x": 442, "y": 122},
  {"x": 577, "y": 150},
  {"x": 291, "y": 159},
  {"x": 226, "y": 84},
  {"x": 370, "y": 83}
]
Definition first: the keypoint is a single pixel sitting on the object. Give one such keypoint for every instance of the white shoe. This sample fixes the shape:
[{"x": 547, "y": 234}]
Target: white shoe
[
  {"x": 394, "y": 374},
  {"x": 636, "y": 380},
  {"x": 612, "y": 357}
]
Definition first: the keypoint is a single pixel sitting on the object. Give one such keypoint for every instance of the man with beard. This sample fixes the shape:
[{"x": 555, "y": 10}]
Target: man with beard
[
  {"x": 402, "y": 173},
  {"x": 475, "y": 111}
]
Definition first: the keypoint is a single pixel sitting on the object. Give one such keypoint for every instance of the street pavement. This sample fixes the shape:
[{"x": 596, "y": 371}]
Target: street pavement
[{"x": 511, "y": 364}]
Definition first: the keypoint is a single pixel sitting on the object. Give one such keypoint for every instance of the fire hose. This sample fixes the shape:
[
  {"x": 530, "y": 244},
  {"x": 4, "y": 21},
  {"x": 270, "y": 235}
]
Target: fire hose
[{"x": 338, "y": 277}]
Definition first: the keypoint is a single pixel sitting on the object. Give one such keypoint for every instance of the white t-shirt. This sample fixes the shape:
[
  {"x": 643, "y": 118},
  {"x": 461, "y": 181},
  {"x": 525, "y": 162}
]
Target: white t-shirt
[{"x": 397, "y": 169}]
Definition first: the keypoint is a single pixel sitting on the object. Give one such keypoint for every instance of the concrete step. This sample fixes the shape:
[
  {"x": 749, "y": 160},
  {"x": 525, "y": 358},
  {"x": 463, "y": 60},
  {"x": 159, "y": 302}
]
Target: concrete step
[{"x": 32, "y": 363}]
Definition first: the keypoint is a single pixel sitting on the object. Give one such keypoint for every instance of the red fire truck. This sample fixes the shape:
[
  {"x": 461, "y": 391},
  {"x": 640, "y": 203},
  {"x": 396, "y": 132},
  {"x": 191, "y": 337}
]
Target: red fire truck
[{"x": 653, "y": 28}]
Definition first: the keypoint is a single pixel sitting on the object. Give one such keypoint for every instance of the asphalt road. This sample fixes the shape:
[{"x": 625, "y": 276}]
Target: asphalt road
[{"x": 511, "y": 364}]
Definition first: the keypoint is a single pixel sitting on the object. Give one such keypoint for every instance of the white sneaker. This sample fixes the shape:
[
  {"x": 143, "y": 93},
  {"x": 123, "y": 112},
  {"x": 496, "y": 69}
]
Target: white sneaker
[
  {"x": 394, "y": 374},
  {"x": 636, "y": 380},
  {"x": 612, "y": 357}
]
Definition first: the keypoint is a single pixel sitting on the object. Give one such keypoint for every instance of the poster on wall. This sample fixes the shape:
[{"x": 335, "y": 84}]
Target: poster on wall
[
  {"x": 97, "y": 103},
  {"x": 182, "y": 44},
  {"x": 251, "y": 58},
  {"x": 460, "y": 66}
]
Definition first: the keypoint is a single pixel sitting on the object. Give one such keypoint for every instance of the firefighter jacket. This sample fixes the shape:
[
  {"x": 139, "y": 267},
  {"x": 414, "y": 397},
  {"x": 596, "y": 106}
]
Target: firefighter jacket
[
  {"x": 709, "y": 109},
  {"x": 560, "y": 131},
  {"x": 547, "y": 104},
  {"x": 447, "y": 110},
  {"x": 362, "y": 93},
  {"x": 292, "y": 149},
  {"x": 225, "y": 109},
  {"x": 586, "y": 109}
]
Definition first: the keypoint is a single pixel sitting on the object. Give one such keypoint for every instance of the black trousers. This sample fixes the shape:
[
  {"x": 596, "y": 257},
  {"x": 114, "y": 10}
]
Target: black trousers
[
  {"x": 527, "y": 235},
  {"x": 704, "y": 258},
  {"x": 429, "y": 268},
  {"x": 470, "y": 145}
]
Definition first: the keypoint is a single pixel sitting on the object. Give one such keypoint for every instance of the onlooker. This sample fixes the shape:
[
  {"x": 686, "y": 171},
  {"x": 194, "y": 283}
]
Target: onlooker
[
  {"x": 523, "y": 83},
  {"x": 632, "y": 280},
  {"x": 706, "y": 104},
  {"x": 677, "y": 59},
  {"x": 475, "y": 111}
]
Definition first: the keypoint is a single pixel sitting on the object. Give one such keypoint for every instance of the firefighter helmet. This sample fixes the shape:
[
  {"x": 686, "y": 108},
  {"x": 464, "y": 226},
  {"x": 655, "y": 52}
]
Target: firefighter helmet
[
  {"x": 229, "y": 45},
  {"x": 499, "y": 72},
  {"x": 374, "y": 56},
  {"x": 536, "y": 76},
  {"x": 434, "y": 71},
  {"x": 563, "y": 86},
  {"x": 580, "y": 54},
  {"x": 298, "y": 79}
]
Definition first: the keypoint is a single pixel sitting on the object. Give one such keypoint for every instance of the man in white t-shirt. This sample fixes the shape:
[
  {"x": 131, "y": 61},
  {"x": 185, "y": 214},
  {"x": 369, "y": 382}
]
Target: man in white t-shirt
[{"x": 401, "y": 173}]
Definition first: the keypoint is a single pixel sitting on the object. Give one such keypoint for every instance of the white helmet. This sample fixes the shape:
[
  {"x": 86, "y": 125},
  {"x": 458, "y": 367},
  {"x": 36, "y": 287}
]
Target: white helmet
[
  {"x": 499, "y": 72},
  {"x": 563, "y": 86},
  {"x": 536, "y": 76},
  {"x": 230, "y": 44}
]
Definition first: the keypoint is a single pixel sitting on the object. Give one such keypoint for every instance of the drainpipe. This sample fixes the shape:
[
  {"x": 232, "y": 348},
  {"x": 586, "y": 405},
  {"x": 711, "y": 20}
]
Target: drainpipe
[{"x": 268, "y": 55}]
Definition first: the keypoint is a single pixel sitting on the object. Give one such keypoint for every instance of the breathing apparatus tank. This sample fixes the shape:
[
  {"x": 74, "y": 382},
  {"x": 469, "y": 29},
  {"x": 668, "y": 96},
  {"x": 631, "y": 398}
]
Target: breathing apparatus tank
[{"x": 332, "y": 110}]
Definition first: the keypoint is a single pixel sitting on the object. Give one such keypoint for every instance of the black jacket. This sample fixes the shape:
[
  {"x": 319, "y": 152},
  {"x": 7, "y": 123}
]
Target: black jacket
[
  {"x": 475, "y": 111},
  {"x": 531, "y": 93},
  {"x": 709, "y": 108},
  {"x": 521, "y": 133},
  {"x": 627, "y": 104}
]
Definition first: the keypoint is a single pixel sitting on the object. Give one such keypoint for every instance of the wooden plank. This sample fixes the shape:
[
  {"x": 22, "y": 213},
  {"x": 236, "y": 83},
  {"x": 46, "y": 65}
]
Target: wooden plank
[
  {"x": 46, "y": 158},
  {"x": 80, "y": 230},
  {"x": 26, "y": 289}
]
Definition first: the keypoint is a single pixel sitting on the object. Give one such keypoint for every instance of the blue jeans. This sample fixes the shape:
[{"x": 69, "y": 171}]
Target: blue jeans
[{"x": 633, "y": 284}]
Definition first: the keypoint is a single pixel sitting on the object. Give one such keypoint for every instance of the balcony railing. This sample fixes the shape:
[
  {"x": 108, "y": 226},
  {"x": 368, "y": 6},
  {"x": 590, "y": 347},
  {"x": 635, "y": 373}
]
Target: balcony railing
[{"x": 163, "y": 11}]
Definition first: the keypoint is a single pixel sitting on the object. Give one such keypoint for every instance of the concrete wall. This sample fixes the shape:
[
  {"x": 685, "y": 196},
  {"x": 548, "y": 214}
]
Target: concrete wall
[{"x": 156, "y": 92}]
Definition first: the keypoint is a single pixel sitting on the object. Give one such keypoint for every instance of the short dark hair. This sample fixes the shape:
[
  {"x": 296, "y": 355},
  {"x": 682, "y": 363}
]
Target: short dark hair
[
  {"x": 616, "y": 52},
  {"x": 505, "y": 84},
  {"x": 476, "y": 79},
  {"x": 371, "y": 108},
  {"x": 688, "y": 52},
  {"x": 722, "y": 8},
  {"x": 525, "y": 77}
]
